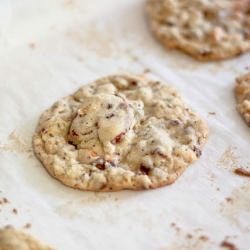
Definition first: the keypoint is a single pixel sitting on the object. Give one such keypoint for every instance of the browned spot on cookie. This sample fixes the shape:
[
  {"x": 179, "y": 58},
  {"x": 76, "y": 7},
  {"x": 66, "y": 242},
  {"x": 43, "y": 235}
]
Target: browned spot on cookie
[
  {"x": 242, "y": 172},
  {"x": 118, "y": 138},
  {"x": 228, "y": 245}
]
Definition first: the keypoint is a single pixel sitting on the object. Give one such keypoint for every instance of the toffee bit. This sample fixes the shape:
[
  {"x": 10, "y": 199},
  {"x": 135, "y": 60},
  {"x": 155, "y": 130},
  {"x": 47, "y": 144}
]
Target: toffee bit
[
  {"x": 109, "y": 116},
  {"x": 118, "y": 138},
  {"x": 144, "y": 169},
  {"x": 197, "y": 151},
  {"x": 242, "y": 172}
]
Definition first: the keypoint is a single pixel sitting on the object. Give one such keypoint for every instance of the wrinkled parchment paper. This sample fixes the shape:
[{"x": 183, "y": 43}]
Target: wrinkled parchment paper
[{"x": 50, "y": 48}]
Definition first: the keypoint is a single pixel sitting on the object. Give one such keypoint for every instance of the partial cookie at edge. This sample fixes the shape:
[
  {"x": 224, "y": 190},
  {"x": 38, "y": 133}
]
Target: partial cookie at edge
[
  {"x": 242, "y": 93},
  {"x": 206, "y": 30},
  {"x": 12, "y": 239}
]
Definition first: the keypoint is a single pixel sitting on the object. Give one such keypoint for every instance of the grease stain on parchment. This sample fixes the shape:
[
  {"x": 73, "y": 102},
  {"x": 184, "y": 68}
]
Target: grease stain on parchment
[
  {"x": 230, "y": 160},
  {"x": 236, "y": 207},
  {"x": 192, "y": 239},
  {"x": 16, "y": 145},
  {"x": 74, "y": 209}
]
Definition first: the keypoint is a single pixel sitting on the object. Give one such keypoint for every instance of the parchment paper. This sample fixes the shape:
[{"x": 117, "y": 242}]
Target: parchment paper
[{"x": 50, "y": 48}]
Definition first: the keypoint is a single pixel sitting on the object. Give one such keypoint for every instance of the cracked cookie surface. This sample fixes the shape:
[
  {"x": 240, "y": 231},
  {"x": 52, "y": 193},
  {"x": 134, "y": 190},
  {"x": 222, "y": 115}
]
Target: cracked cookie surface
[
  {"x": 119, "y": 132},
  {"x": 242, "y": 93},
  {"x": 12, "y": 239},
  {"x": 205, "y": 29}
]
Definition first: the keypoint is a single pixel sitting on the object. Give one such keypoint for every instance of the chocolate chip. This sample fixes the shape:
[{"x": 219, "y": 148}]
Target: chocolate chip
[
  {"x": 109, "y": 116},
  {"x": 134, "y": 83},
  {"x": 197, "y": 151},
  {"x": 74, "y": 133},
  {"x": 109, "y": 106},
  {"x": 144, "y": 169},
  {"x": 206, "y": 53},
  {"x": 100, "y": 166}
]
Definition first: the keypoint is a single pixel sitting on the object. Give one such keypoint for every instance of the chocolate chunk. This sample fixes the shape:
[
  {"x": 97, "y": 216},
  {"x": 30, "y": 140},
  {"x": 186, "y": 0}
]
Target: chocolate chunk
[
  {"x": 197, "y": 151},
  {"x": 109, "y": 116},
  {"x": 144, "y": 169}
]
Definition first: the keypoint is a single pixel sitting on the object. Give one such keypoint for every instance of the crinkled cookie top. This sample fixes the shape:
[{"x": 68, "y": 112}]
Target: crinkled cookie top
[
  {"x": 119, "y": 132},
  {"x": 205, "y": 29}
]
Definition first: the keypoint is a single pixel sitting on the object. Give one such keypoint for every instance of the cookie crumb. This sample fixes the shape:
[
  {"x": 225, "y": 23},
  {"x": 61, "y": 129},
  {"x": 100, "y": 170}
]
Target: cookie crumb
[
  {"x": 27, "y": 225},
  {"x": 146, "y": 71},
  {"x": 32, "y": 45},
  {"x": 5, "y": 200},
  {"x": 14, "y": 210},
  {"x": 211, "y": 113},
  {"x": 203, "y": 238},
  {"x": 228, "y": 245},
  {"x": 189, "y": 236},
  {"x": 242, "y": 172},
  {"x": 229, "y": 199}
]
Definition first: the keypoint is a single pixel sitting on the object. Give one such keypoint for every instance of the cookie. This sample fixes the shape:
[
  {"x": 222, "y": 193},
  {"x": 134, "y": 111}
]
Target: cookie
[
  {"x": 119, "y": 132},
  {"x": 242, "y": 93},
  {"x": 205, "y": 29},
  {"x": 12, "y": 239}
]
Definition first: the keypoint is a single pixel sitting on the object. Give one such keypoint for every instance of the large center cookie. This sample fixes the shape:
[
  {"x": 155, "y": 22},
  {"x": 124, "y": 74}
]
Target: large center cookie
[
  {"x": 205, "y": 29},
  {"x": 119, "y": 132}
]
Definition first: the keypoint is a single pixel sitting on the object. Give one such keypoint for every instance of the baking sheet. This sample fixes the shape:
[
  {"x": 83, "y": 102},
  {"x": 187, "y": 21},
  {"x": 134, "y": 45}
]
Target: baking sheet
[{"x": 50, "y": 48}]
